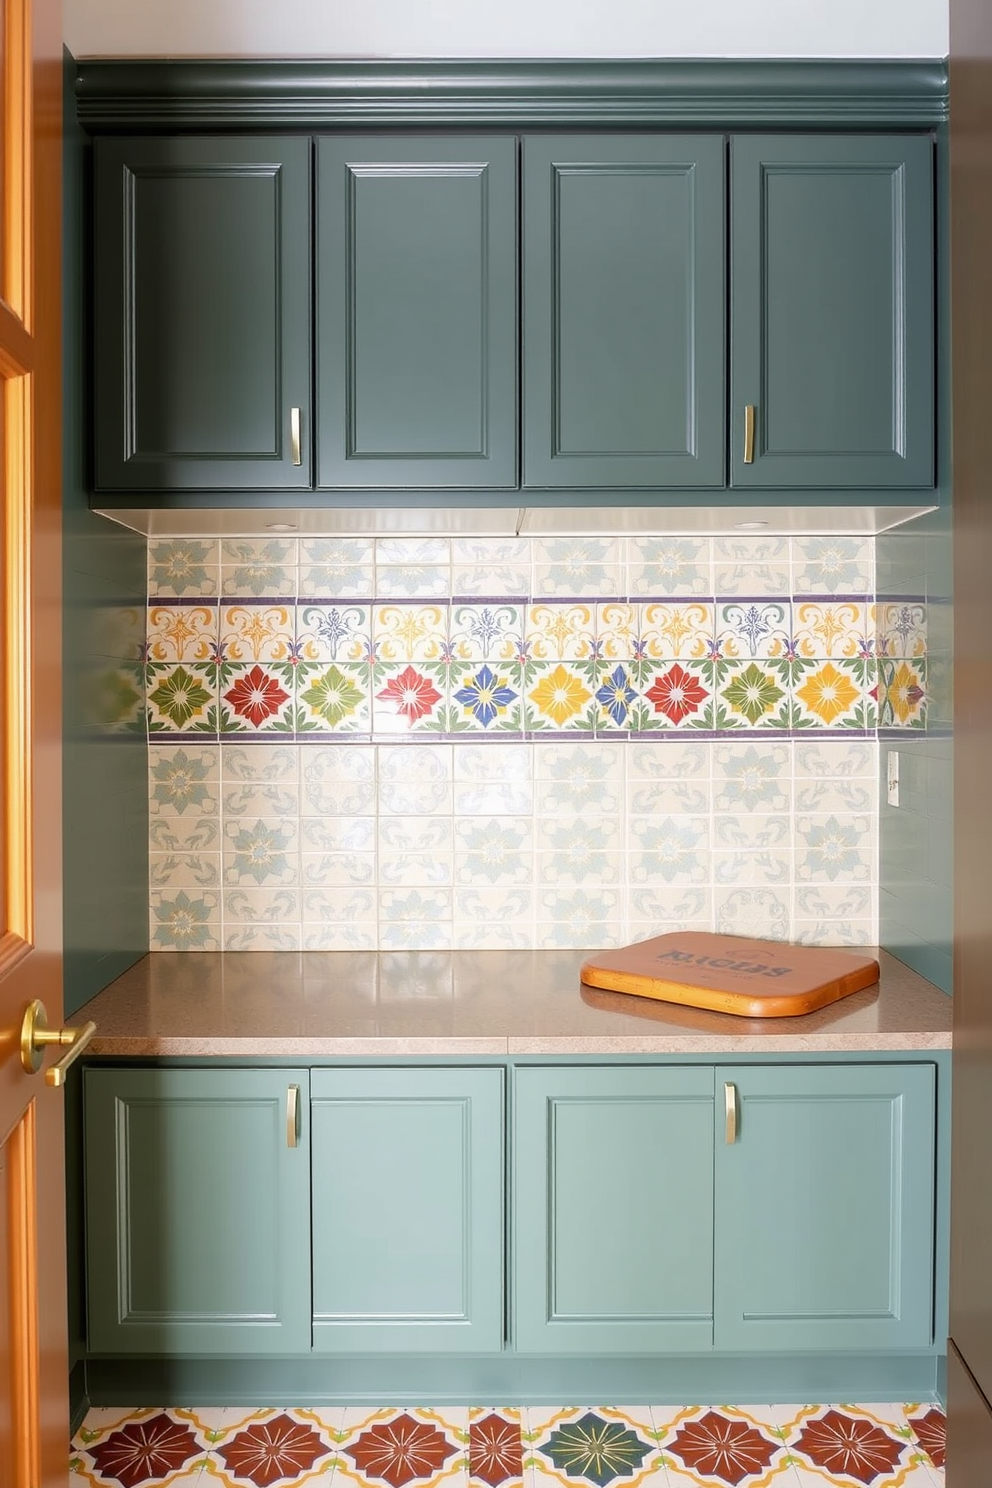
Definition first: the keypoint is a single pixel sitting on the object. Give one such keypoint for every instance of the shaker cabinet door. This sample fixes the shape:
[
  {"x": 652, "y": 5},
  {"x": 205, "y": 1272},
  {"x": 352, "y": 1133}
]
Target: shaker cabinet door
[
  {"x": 202, "y": 313},
  {"x": 407, "y": 1210},
  {"x": 624, "y": 294},
  {"x": 417, "y": 312},
  {"x": 613, "y": 1210},
  {"x": 832, "y": 332},
  {"x": 197, "y": 1211},
  {"x": 825, "y": 1208}
]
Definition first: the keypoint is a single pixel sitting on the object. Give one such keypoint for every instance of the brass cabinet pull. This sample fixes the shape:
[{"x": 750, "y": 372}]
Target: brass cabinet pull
[
  {"x": 294, "y": 435},
  {"x": 730, "y": 1104},
  {"x": 749, "y": 412},
  {"x": 36, "y": 1036},
  {"x": 293, "y": 1116}
]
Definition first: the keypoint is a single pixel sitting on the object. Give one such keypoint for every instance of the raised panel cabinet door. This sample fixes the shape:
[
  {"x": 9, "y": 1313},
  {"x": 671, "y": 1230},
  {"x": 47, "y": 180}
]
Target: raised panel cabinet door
[
  {"x": 407, "y": 1210},
  {"x": 613, "y": 1210},
  {"x": 197, "y": 1211},
  {"x": 825, "y": 1208},
  {"x": 417, "y": 312},
  {"x": 832, "y": 334},
  {"x": 624, "y": 310},
  {"x": 202, "y": 315}
]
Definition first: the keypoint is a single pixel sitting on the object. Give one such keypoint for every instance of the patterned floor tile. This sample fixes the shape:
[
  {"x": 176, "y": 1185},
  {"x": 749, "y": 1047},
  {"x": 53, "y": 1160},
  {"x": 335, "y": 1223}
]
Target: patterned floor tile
[
  {"x": 870, "y": 1445},
  {"x": 495, "y": 1446},
  {"x": 592, "y": 1446},
  {"x": 399, "y": 1446},
  {"x": 929, "y": 1427},
  {"x": 726, "y": 1445},
  {"x": 149, "y": 1448},
  {"x": 272, "y": 1448}
]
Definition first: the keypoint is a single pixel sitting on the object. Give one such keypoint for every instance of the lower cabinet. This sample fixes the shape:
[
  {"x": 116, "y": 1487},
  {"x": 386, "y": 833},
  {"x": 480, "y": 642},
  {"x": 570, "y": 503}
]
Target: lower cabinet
[{"x": 654, "y": 1210}]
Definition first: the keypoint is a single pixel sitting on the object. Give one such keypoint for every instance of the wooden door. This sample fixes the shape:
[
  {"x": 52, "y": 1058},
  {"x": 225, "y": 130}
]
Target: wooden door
[
  {"x": 198, "y": 1211},
  {"x": 202, "y": 316},
  {"x": 33, "y": 1358},
  {"x": 843, "y": 1259},
  {"x": 417, "y": 312},
  {"x": 613, "y": 1211},
  {"x": 624, "y": 292},
  {"x": 970, "y": 1378},
  {"x": 407, "y": 1211},
  {"x": 832, "y": 311}
]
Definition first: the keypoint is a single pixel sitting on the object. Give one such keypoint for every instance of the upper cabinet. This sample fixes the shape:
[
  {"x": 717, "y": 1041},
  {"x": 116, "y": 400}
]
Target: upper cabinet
[
  {"x": 202, "y": 313},
  {"x": 695, "y": 313},
  {"x": 831, "y": 325},
  {"x": 416, "y": 312},
  {"x": 624, "y": 324}
]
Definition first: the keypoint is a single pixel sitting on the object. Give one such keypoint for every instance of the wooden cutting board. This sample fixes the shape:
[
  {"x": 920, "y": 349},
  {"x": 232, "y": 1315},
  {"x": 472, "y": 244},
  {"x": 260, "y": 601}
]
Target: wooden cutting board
[{"x": 732, "y": 974}]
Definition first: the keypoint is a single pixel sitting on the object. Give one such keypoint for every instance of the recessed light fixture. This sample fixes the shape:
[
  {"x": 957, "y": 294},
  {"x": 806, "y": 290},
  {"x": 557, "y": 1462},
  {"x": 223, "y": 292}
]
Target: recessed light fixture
[
  {"x": 281, "y": 527},
  {"x": 749, "y": 526}
]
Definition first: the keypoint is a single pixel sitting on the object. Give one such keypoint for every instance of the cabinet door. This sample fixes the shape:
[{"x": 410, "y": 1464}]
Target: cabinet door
[
  {"x": 832, "y": 310},
  {"x": 624, "y": 293},
  {"x": 407, "y": 1210},
  {"x": 825, "y": 1208},
  {"x": 197, "y": 1212},
  {"x": 417, "y": 312},
  {"x": 202, "y": 320},
  {"x": 613, "y": 1213}
]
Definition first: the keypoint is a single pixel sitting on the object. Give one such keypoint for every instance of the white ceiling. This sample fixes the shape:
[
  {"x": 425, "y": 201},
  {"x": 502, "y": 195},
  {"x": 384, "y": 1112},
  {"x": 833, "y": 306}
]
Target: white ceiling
[{"x": 506, "y": 28}]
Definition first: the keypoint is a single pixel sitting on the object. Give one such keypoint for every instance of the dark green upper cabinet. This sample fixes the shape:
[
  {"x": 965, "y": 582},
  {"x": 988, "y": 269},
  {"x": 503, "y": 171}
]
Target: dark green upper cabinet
[
  {"x": 202, "y": 319},
  {"x": 832, "y": 311},
  {"x": 624, "y": 320},
  {"x": 417, "y": 312}
]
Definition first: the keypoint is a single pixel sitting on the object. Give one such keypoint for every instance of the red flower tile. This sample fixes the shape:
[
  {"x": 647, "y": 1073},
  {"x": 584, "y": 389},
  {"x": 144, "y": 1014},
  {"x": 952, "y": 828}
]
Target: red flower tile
[
  {"x": 849, "y": 1445},
  {"x": 495, "y": 1450},
  {"x": 931, "y": 1433},
  {"x": 676, "y": 693},
  {"x": 144, "y": 1450},
  {"x": 722, "y": 1448},
  {"x": 401, "y": 1450},
  {"x": 267, "y": 1451},
  {"x": 256, "y": 696},
  {"x": 413, "y": 694}
]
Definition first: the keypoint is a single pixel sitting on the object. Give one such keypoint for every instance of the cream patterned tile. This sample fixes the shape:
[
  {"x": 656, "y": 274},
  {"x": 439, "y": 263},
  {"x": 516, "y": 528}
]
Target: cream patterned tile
[
  {"x": 258, "y": 567},
  {"x": 184, "y": 922},
  {"x": 185, "y": 567},
  {"x": 590, "y": 1446},
  {"x": 182, "y": 632},
  {"x": 140, "y": 1449},
  {"x": 729, "y": 1445},
  {"x": 397, "y": 1447},
  {"x": 272, "y": 1448}
]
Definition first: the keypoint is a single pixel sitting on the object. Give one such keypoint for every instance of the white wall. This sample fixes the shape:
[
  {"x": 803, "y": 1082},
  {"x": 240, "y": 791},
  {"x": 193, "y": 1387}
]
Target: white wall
[{"x": 507, "y": 28}]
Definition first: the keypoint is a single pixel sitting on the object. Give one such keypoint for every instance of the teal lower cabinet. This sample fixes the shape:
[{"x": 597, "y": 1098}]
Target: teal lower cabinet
[
  {"x": 197, "y": 1211},
  {"x": 613, "y": 1210},
  {"x": 824, "y": 1222},
  {"x": 527, "y": 1229},
  {"x": 407, "y": 1210}
]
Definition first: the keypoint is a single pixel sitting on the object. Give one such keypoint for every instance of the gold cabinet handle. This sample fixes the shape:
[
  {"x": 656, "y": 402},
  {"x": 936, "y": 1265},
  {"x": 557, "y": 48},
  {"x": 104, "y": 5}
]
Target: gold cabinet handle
[
  {"x": 36, "y": 1036},
  {"x": 730, "y": 1105},
  {"x": 749, "y": 412},
  {"x": 293, "y": 1116},
  {"x": 294, "y": 436}
]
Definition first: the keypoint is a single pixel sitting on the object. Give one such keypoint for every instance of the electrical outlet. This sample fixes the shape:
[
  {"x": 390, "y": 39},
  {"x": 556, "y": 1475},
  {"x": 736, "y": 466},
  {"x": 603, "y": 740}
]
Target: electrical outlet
[{"x": 892, "y": 777}]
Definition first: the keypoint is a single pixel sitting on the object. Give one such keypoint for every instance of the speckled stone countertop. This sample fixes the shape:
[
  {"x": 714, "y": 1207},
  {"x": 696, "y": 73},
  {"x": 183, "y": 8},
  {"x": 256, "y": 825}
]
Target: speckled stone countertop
[{"x": 347, "y": 1004}]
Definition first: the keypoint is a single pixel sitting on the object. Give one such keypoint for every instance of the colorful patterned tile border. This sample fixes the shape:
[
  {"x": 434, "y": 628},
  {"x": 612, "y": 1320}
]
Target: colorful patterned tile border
[{"x": 755, "y": 1446}]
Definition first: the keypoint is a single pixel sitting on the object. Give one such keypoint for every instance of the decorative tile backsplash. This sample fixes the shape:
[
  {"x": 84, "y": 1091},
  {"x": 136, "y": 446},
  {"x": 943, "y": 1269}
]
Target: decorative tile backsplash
[{"x": 433, "y": 743}]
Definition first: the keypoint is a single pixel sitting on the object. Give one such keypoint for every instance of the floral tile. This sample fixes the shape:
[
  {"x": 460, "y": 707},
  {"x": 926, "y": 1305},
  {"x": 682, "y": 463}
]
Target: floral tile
[
  {"x": 727, "y": 1446},
  {"x": 330, "y": 870},
  {"x": 560, "y": 632},
  {"x": 838, "y": 629},
  {"x": 853, "y": 1445},
  {"x": 255, "y": 698},
  {"x": 183, "y": 780},
  {"x": 184, "y": 922},
  {"x": 262, "y": 762},
  {"x": 929, "y": 1427},
  {"x": 832, "y": 565},
  {"x": 675, "y": 695},
  {"x": 669, "y": 850},
  {"x": 752, "y": 777},
  {"x": 183, "y": 567},
  {"x": 407, "y": 700},
  {"x": 617, "y": 630},
  {"x": 755, "y": 912},
  {"x": 484, "y": 698},
  {"x": 406, "y": 1446},
  {"x": 671, "y": 631},
  {"x": 752, "y": 565},
  {"x": 261, "y": 906},
  {"x": 595, "y": 1447},
  {"x": 617, "y": 698},
  {"x": 333, "y": 698},
  {"x": 901, "y": 627},
  {"x": 257, "y": 632},
  {"x": 493, "y": 850},
  {"x": 147, "y": 1447},
  {"x": 833, "y": 695},
  {"x": 173, "y": 834},
  {"x": 272, "y": 1448},
  {"x": 345, "y": 906},
  {"x": 834, "y": 849},
  {"x": 671, "y": 566},
  {"x": 902, "y": 694},
  {"x": 181, "y": 698},
  {"x": 259, "y": 852},
  {"x": 753, "y": 628},
  {"x": 253, "y": 568},
  {"x": 750, "y": 695},
  {"x": 405, "y": 633},
  {"x": 262, "y": 937},
  {"x": 577, "y": 566},
  {"x": 486, "y": 632},
  {"x": 331, "y": 632},
  {"x": 561, "y": 697},
  {"x": 182, "y": 632},
  {"x": 579, "y": 918},
  {"x": 493, "y": 919},
  {"x": 581, "y": 777},
  {"x": 192, "y": 870}
]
